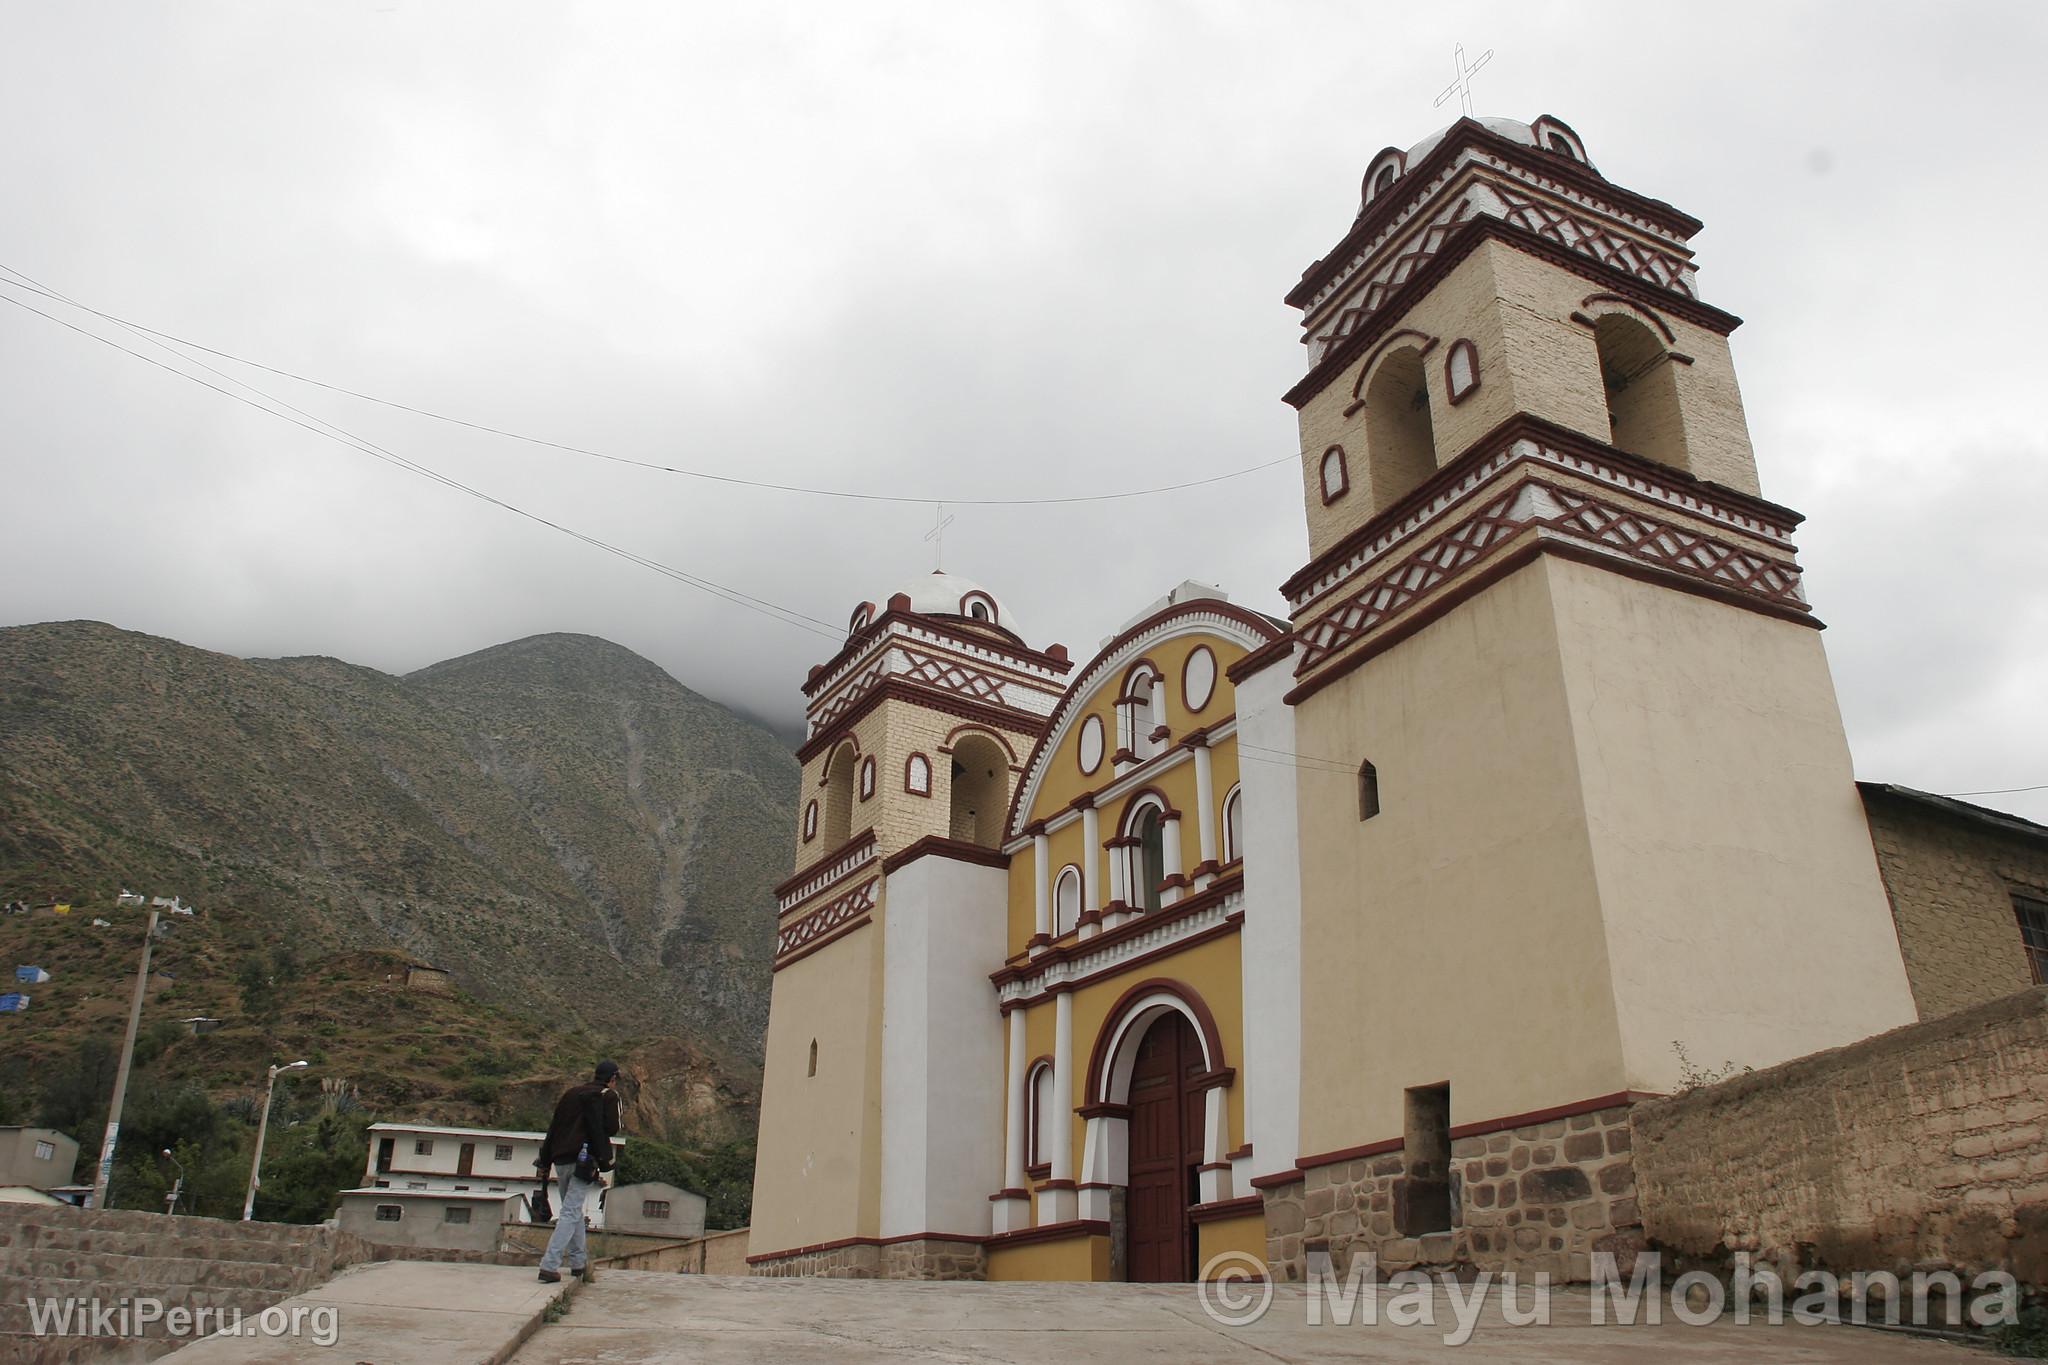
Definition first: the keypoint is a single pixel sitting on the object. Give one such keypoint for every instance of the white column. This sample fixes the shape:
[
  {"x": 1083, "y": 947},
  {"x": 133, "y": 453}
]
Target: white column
[
  {"x": 1119, "y": 865},
  {"x": 1169, "y": 848},
  {"x": 1091, "y": 866},
  {"x": 1041, "y": 854},
  {"x": 1011, "y": 1204},
  {"x": 1214, "y": 1179},
  {"x": 1057, "y": 1205},
  {"x": 1155, "y": 711},
  {"x": 1205, "y": 813}
]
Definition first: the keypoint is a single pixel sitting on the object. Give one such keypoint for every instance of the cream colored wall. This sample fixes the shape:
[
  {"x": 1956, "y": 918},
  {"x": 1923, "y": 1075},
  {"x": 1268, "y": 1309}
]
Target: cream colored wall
[
  {"x": 1455, "y": 936},
  {"x": 817, "y": 1173},
  {"x": 1517, "y": 310},
  {"x": 1745, "y": 916},
  {"x": 1463, "y": 305}
]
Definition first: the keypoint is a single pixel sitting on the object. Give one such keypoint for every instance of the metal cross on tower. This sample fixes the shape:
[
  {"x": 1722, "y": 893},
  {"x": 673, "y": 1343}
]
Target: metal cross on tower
[
  {"x": 937, "y": 536},
  {"x": 1462, "y": 86}
]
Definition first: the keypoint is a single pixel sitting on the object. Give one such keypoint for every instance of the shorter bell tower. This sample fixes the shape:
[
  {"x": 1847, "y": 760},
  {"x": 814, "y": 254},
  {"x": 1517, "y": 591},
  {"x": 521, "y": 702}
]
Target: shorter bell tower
[{"x": 876, "y": 1071}]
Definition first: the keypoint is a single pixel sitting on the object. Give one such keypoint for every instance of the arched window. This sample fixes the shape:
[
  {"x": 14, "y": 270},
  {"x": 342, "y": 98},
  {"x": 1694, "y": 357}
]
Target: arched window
[
  {"x": 979, "y": 606},
  {"x": 1147, "y": 857},
  {"x": 835, "y": 815},
  {"x": 1233, "y": 825},
  {"x": 1461, "y": 371},
  {"x": 1336, "y": 477},
  {"x": 1368, "y": 790},
  {"x": 981, "y": 791},
  {"x": 1642, "y": 391},
  {"x": 867, "y": 777},
  {"x": 1043, "y": 1113},
  {"x": 1400, "y": 442},
  {"x": 917, "y": 775},
  {"x": 1141, "y": 712},
  {"x": 810, "y": 821},
  {"x": 1066, "y": 900}
]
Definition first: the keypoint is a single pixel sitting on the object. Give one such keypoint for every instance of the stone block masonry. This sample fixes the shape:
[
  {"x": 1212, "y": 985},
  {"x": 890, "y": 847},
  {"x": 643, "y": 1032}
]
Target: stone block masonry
[
  {"x": 1541, "y": 1197},
  {"x": 917, "y": 1258},
  {"x": 1922, "y": 1148}
]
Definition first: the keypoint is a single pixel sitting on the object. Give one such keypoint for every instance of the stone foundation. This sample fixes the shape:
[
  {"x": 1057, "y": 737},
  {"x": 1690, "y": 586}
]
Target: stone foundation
[
  {"x": 922, "y": 1258},
  {"x": 933, "y": 1258},
  {"x": 1543, "y": 1197},
  {"x": 860, "y": 1261}
]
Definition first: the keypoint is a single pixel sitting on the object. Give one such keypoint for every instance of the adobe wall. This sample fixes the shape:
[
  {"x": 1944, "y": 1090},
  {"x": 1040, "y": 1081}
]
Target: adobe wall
[
  {"x": 1925, "y": 1146},
  {"x": 1951, "y": 885}
]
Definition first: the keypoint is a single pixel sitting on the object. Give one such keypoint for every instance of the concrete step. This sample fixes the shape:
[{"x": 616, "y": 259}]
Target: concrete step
[
  {"x": 149, "y": 1224},
  {"x": 125, "y": 1272}
]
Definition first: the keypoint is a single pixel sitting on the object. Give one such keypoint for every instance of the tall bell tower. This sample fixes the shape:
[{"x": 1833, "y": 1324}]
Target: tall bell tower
[
  {"x": 879, "y": 1118},
  {"x": 1575, "y": 799}
]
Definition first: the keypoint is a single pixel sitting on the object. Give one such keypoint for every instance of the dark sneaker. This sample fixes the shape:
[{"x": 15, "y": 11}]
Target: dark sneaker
[
  {"x": 550, "y": 1277},
  {"x": 581, "y": 1272}
]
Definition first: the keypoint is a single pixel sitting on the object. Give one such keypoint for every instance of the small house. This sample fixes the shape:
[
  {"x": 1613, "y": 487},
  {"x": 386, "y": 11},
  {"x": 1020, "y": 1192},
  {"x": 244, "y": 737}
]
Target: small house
[
  {"x": 420, "y": 977},
  {"x": 39, "y": 1158},
  {"x": 447, "y": 1219},
  {"x": 128, "y": 897},
  {"x": 200, "y": 1023},
  {"x": 654, "y": 1208},
  {"x": 31, "y": 976},
  {"x": 14, "y": 1002}
]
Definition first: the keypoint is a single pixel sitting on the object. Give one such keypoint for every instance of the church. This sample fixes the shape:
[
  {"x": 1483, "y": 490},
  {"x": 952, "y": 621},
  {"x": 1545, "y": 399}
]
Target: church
[{"x": 1363, "y": 929}]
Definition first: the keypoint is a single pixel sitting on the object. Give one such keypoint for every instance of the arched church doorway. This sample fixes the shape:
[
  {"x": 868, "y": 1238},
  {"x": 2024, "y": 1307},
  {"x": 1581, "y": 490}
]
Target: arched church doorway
[{"x": 1165, "y": 1152}]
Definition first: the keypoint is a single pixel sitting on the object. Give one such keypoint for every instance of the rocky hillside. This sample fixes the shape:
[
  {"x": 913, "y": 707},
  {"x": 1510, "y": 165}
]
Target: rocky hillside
[{"x": 579, "y": 838}]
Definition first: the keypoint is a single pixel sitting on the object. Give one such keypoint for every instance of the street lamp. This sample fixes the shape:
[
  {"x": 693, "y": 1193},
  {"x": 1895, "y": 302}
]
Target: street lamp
[
  {"x": 177, "y": 1186},
  {"x": 262, "y": 1131}
]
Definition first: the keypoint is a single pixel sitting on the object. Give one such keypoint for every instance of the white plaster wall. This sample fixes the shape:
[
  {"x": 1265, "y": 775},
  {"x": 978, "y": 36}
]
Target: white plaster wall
[
  {"x": 942, "y": 1047},
  {"x": 1745, "y": 918},
  {"x": 1270, "y": 943}
]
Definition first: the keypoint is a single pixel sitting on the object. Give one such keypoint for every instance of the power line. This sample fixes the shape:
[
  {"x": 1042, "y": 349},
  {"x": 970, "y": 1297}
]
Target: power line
[
  {"x": 732, "y": 479},
  {"x": 341, "y": 436},
  {"x": 2002, "y": 791}
]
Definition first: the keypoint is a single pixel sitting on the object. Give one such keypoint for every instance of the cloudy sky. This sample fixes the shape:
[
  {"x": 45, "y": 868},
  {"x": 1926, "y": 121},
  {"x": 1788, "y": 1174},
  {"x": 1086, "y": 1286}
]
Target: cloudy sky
[{"x": 958, "y": 250}]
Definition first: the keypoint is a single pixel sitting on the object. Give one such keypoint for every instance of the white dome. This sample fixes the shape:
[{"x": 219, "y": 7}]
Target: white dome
[
  {"x": 951, "y": 594},
  {"x": 1512, "y": 129}
]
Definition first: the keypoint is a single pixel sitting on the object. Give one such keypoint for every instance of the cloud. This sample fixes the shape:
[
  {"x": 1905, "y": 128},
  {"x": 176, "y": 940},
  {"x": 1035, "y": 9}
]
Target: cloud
[{"x": 960, "y": 250}]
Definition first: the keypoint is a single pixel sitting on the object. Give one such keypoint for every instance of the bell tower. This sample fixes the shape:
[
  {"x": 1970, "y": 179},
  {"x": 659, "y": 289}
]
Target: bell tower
[
  {"x": 1604, "y": 809},
  {"x": 876, "y": 1098}
]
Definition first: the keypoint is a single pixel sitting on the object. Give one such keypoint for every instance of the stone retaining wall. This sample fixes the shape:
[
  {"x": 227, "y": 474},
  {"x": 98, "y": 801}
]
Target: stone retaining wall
[
  {"x": 1922, "y": 1148},
  {"x": 1541, "y": 1197}
]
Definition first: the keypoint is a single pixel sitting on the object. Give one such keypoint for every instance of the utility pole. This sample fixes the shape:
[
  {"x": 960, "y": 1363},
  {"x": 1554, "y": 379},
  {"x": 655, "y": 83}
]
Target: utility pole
[
  {"x": 262, "y": 1132},
  {"x": 106, "y": 1170}
]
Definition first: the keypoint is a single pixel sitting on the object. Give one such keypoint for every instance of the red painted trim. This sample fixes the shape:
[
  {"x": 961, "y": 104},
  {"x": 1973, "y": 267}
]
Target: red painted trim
[
  {"x": 1617, "y": 1100},
  {"x": 935, "y": 845},
  {"x": 1384, "y": 349},
  {"x": 1205, "y": 1021},
  {"x": 1056, "y": 1185},
  {"x": 1477, "y": 230},
  {"x": 1456, "y": 395},
  {"x": 967, "y": 1238},
  {"x": 1083, "y": 680},
  {"x": 930, "y": 776},
  {"x": 1265, "y": 656},
  {"x": 1240, "y": 1154},
  {"x": 1468, "y": 132},
  {"x": 1210, "y": 1080},
  {"x": 1049, "y": 1232},
  {"x": 899, "y": 688},
  {"x": 860, "y": 921},
  {"x": 1000, "y": 1195},
  {"x": 1543, "y": 432},
  {"x": 902, "y": 615},
  {"x": 1227, "y": 1208},
  {"x": 797, "y": 878},
  {"x": 1187, "y": 905},
  {"x": 1329, "y": 494},
  {"x": 973, "y": 729},
  {"x": 1277, "y": 1180},
  {"x": 1104, "y": 1109}
]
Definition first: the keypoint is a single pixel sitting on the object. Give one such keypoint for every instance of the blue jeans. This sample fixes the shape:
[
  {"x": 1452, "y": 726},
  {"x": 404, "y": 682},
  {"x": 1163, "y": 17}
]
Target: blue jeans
[{"x": 569, "y": 1236}]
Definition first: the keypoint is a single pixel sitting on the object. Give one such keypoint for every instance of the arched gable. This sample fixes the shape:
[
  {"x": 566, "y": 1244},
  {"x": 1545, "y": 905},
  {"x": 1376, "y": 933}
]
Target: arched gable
[
  {"x": 1109, "y": 1063},
  {"x": 1105, "y": 674}
]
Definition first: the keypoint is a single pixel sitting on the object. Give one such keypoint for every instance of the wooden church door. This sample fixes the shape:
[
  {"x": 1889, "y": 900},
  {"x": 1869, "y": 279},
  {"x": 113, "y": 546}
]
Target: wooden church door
[{"x": 1166, "y": 1152}]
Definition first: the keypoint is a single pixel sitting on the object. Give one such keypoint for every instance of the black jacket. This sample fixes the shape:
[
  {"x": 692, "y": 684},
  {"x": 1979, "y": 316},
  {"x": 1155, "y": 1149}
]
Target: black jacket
[{"x": 586, "y": 1113}]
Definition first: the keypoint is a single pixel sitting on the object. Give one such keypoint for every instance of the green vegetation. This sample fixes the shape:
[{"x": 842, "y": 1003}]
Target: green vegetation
[{"x": 724, "y": 1175}]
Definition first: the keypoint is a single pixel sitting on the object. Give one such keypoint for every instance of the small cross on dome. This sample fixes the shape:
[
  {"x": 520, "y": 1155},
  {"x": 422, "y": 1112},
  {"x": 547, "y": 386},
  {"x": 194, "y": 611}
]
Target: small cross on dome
[{"x": 1462, "y": 86}]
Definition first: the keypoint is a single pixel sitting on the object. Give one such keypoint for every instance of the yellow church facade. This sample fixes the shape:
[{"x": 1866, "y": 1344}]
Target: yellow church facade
[{"x": 1361, "y": 929}]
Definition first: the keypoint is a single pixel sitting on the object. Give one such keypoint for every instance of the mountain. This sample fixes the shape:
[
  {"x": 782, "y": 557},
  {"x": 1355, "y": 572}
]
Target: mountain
[{"x": 586, "y": 844}]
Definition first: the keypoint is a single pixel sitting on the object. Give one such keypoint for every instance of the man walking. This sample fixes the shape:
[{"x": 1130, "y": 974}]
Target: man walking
[{"x": 579, "y": 1147}]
